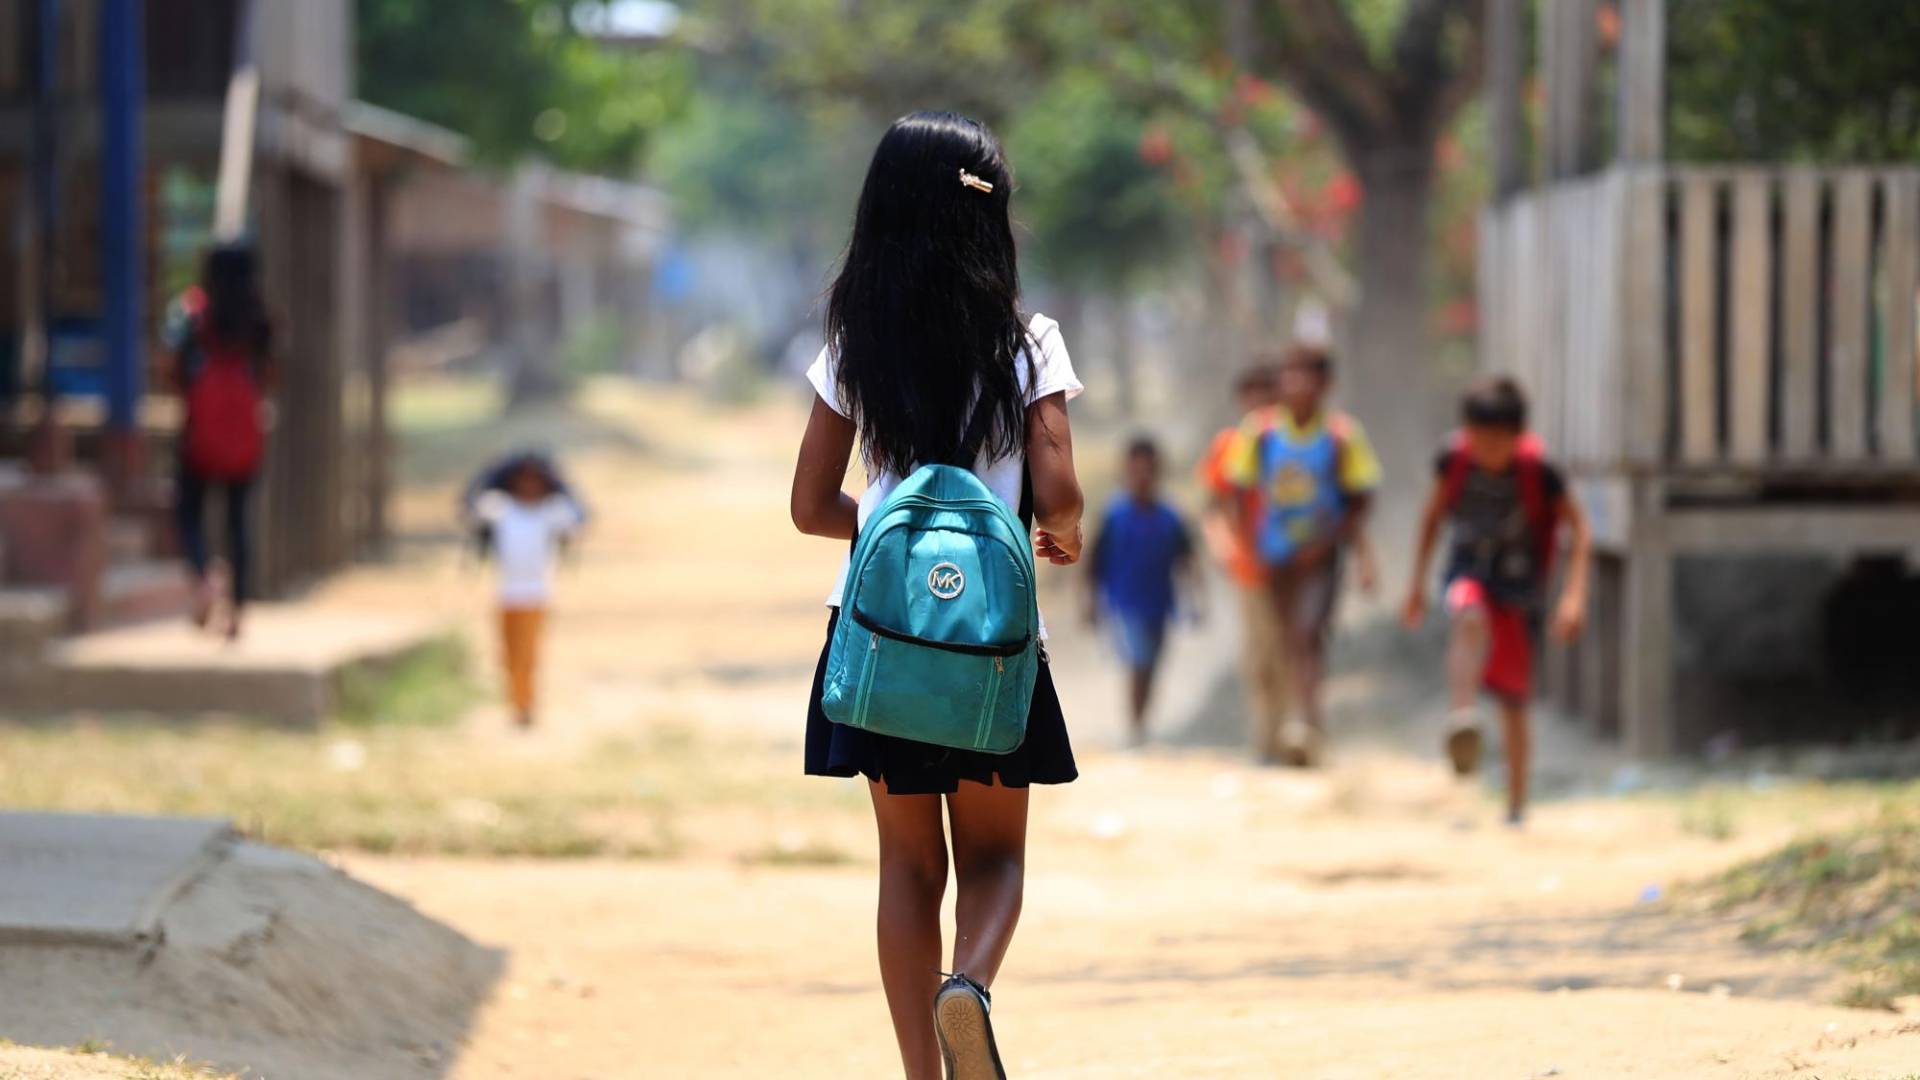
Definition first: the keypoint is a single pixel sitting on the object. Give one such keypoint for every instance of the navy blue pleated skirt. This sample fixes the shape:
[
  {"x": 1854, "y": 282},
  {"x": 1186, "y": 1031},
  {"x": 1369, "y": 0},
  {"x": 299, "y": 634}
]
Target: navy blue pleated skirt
[{"x": 917, "y": 768}]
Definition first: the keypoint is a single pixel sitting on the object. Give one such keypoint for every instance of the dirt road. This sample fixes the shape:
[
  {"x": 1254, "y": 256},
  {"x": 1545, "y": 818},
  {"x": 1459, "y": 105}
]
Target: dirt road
[{"x": 1187, "y": 915}]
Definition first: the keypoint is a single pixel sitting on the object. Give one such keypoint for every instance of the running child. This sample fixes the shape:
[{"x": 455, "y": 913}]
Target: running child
[
  {"x": 526, "y": 515},
  {"x": 930, "y": 361},
  {"x": 1504, "y": 505},
  {"x": 1315, "y": 473},
  {"x": 1143, "y": 571}
]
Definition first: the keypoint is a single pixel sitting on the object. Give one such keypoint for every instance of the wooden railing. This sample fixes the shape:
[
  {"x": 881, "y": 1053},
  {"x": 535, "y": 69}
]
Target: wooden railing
[{"x": 1714, "y": 319}]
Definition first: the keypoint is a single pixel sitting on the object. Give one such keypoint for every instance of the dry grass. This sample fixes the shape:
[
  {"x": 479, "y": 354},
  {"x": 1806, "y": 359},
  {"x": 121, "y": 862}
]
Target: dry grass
[
  {"x": 93, "y": 1062},
  {"x": 1849, "y": 894}
]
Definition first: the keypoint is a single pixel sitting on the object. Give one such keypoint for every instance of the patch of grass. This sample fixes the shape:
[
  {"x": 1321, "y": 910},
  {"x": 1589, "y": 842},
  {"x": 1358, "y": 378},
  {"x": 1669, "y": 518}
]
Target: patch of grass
[
  {"x": 428, "y": 686},
  {"x": 1711, "y": 815},
  {"x": 1848, "y": 894},
  {"x": 411, "y": 790},
  {"x": 100, "y": 1063}
]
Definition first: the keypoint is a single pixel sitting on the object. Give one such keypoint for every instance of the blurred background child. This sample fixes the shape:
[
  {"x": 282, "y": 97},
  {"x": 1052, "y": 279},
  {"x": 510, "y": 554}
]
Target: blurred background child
[
  {"x": 1230, "y": 528},
  {"x": 1143, "y": 569},
  {"x": 525, "y": 515},
  {"x": 1503, "y": 504},
  {"x": 1315, "y": 473}
]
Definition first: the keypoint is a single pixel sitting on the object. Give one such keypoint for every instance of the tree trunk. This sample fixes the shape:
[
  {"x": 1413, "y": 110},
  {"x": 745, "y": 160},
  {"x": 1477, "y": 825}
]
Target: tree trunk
[{"x": 1388, "y": 377}]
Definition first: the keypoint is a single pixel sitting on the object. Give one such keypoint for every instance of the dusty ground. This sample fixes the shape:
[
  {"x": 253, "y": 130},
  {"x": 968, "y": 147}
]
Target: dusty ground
[{"x": 1187, "y": 915}]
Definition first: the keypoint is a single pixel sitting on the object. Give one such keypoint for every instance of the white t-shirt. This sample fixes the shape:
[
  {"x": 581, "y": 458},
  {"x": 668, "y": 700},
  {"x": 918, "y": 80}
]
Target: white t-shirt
[
  {"x": 1052, "y": 373},
  {"x": 526, "y": 538}
]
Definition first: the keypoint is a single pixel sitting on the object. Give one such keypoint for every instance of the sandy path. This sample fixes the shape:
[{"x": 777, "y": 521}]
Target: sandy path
[{"x": 1187, "y": 915}]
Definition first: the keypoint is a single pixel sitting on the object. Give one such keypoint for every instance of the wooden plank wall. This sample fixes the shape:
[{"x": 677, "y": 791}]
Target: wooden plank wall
[
  {"x": 1713, "y": 319},
  {"x": 1551, "y": 307},
  {"x": 1795, "y": 317}
]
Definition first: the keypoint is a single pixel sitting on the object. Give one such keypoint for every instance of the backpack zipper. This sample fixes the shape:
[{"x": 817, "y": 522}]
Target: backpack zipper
[
  {"x": 860, "y": 699},
  {"x": 984, "y": 728},
  {"x": 873, "y": 627}
]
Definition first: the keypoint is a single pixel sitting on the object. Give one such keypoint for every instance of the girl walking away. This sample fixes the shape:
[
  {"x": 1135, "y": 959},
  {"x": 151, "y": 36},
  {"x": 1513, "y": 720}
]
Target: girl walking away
[
  {"x": 933, "y": 684},
  {"x": 523, "y": 514},
  {"x": 220, "y": 343}
]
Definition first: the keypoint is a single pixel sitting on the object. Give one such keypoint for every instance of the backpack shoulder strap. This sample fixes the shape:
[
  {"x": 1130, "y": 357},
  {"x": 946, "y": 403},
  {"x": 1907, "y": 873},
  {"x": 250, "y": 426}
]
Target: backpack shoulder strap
[
  {"x": 1453, "y": 480},
  {"x": 1530, "y": 462}
]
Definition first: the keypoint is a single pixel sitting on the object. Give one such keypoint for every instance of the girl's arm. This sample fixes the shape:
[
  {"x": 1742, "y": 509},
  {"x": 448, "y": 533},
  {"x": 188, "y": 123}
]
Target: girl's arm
[
  {"x": 1571, "y": 616},
  {"x": 1057, "y": 501},
  {"x": 818, "y": 506}
]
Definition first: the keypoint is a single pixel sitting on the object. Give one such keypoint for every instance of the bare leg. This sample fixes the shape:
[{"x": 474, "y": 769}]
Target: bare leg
[
  {"x": 1467, "y": 655},
  {"x": 1513, "y": 716},
  {"x": 913, "y": 878},
  {"x": 989, "y": 859},
  {"x": 1139, "y": 693},
  {"x": 1307, "y": 662}
]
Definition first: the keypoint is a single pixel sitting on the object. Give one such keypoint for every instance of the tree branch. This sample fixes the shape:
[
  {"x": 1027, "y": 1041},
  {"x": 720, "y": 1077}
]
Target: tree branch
[
  {"x": 1314, "y": 47},
  {"x": 1432, "y": 86}
]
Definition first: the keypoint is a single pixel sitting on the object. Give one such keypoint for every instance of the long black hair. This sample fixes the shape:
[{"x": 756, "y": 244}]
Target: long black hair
[
  {"x": 924, "y": 317},
  {"x": 235, "y": 312}
]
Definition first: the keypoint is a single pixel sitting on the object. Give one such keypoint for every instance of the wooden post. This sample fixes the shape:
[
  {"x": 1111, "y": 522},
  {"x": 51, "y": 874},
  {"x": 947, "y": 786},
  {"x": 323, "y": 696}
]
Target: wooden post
[
  {"x": 1699, "y": 324},
  {"x": 1572, "y": 60},
  {"x": 1849, "y": 337},
  {"x": 1643, "y": 314},
  {"x": 1800, "y": 284},
  {"x": 1752, "y": 329},
  {"x": 1900, "y": 255},
  {"x": 377, "y": 322},
  {"x": 1506, "y": 117},
  {"x": 1643, "y": 81},
  {"x": 1647, "y": 637}
]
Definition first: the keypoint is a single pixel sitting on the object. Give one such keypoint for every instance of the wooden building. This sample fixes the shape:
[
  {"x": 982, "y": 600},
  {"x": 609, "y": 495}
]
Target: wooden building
[
  {"x": 1724, "y": 356},
  {"x": 135, "y": 91}
]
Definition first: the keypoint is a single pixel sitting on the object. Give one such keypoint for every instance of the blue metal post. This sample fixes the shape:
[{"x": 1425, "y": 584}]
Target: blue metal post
[
  {"x": 122, "y": 194},
  {"x": 45, "y": 193}
]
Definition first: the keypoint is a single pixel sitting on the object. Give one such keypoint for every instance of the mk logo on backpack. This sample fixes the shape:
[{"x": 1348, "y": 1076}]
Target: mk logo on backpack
[
  {"x": 939, "y": 631},
  {"x": 946, "y": 581}
]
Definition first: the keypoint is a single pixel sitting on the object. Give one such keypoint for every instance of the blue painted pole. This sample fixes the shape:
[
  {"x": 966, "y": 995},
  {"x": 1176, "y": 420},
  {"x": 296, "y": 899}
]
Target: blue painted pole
[
  {"x": 122, "y": 194},
  {"x": 45, "y": 194}
]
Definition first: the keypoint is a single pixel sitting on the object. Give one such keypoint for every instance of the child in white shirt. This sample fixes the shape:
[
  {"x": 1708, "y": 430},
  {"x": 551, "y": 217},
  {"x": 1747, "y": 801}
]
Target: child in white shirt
[{"x": 528, "y": 520}]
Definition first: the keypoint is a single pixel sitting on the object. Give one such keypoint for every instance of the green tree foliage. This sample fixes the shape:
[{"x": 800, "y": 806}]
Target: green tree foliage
[
  {"x": 744, "y": 161},
  {"x": 1794, "y": 80},
  {"x": 1097, "y": 212},
  {"x": 517, "y": 77}
]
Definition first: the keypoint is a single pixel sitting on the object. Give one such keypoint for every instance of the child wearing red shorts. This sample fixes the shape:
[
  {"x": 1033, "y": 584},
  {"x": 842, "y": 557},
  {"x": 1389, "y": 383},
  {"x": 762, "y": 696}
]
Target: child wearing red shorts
[{"x": 1504, "y": 506}]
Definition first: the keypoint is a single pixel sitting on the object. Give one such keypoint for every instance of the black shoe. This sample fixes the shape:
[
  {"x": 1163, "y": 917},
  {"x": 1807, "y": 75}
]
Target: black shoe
[{"x": 966, "y": 1035}]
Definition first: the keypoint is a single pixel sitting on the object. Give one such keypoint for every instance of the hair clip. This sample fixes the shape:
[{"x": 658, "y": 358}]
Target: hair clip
[{"x": 975, "y": 182}]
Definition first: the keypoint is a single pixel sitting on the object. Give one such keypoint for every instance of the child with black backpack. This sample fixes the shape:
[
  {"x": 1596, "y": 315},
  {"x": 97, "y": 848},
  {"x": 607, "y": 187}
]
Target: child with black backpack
[
  {"x": 933, "y": 684},
  {"x": 1504, "y": 505}
]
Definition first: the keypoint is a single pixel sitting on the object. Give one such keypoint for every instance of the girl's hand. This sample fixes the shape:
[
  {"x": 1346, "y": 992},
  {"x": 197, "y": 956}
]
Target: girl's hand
[{"x": 1062, "y": 550}]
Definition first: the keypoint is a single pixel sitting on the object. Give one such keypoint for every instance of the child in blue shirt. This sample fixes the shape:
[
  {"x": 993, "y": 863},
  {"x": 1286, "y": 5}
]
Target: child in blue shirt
[{"x": 1142, "y": 562}]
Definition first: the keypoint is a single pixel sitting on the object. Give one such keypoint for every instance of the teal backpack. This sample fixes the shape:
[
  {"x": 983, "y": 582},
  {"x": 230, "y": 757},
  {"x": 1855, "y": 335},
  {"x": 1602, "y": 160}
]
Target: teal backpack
[{"x": 938, "y": 639}]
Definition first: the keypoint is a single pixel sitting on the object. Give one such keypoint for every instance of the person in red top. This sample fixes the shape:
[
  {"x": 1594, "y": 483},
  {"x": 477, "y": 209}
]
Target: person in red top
[
  {"x": 219, "y": 344},
  {"x": 1504, "y": 505},
  {"x": 1233, "y": 515}
]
